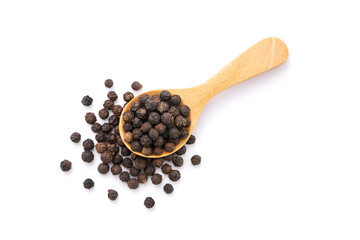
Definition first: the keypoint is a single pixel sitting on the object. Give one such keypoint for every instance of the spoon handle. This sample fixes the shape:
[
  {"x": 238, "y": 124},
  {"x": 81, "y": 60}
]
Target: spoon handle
[{"x": 261, "y": 57}]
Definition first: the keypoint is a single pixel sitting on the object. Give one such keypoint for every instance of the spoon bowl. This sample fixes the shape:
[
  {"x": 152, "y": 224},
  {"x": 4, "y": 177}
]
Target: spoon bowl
[{"x": 261, "y": 57}]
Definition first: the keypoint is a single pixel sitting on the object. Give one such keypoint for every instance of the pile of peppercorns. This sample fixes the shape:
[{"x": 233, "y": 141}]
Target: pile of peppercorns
[{"x": 156, "y": 123}]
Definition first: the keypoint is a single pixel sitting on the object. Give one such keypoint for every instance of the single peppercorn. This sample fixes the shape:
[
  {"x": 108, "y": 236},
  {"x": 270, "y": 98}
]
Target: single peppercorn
[
  {"x": 88, "y": 144},
  {"x": 88, "y": 183},
  {"x": 142, "y": 178},
  {"x": 133, "y": 156},
  {"x": 117, "y": 110},
  {"x": 103, "y": 168},
  {"x": 168, "y": 188},
  {"x": 128, "y": 137},
  {"x": 169, "y": 147},
  {"x": 65, "y": 165},
  {"x": 100, "y": 137},
  {"x": 124, "y": 176},
  {"x": 174, "y": 175},
  {"x": 145, "y": 127},
  {"x": 117, "y": 159},
  {"x": 188, "y": 121},
  {"x": 150, "y": 104},
  {"x": 90, "y": 118},
  {"x": 136, "y": 133},
  {"x": 181, "y": 151},
  {"x": 157, "y": 162},
  {"x": 75, "y": 137},
  {"x": 112, "y": 96},
  {"x": 128, "y": 116},
  {"x": 87, "y": 100},
  {"x": 174, "y": 140},
  {"x": 159, "y": 141},
  {"x": 116, "y": 169},
  {"x": 165, "y": 95},
  {"x": 149, "y": 202},
  {"x": 108, "y": 104},
  {"x": 169, "y": 157},
  {"x": 125, "y": 151},
  {"x": 178, "y": 161},
  {"x": 136, "y": 122},
  {"x": 106, "y": 157},
  {"x": 196, "y": 160},
  {"x": 167, "y": 119},
  {"x": 113, "y": 120},
  {"x": 163, "y": 107},
  {"x": 134, "y": 172},
  {"x": 166, "y": 168},
  {"x": 140, "y": 163},
  {"x": 106, "y": 128},
  {"x": 114, "y": 148},
  {"x": 116, "y": 130},
  {"x": 158, "y": 151},
  {"x": 142, "y": 98},
  {"x": 154, "y": 118},
  {"x": 111, "y": 138},
  {"x": 136, "y": 146},
  {"x": 147, "y": 151},
  {"x": 127, "y": 127},
  {"x": 103, "y": 113},
  {"x": 149, "y": 170},
  {"x": 175, "y": 100},
  {"x": 128, "y": 96},
  {"x": 174, "y": 133},
  {"x": 127, "y": 162},
  {"x": 112, "y": 194},
  {"x": 184, "y": 110},
  {"x": 161, "y": 128},
  {"x": 96, "y": 127},
  {"x": 136, "y": 86},
  {"x": 153, "y": 134},
  {"x": 120, "y": 142},
  {"x": 133, "y": 183},
  {"x": 156, "y": 179},
  {"x": 134, "y": 106},
  {"x": 145, "y": 141},
  {"x": 180, "y": 121},
  {"x": 174, "y": 111},
  {"x": 87, "y": 156},
  {"x": 109, "y": 83},
  {"x": 184, "y": 133}
]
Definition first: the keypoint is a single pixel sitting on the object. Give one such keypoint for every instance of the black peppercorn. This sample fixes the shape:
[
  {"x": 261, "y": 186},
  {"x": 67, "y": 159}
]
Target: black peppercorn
[
  {"x": 147, "y": 151},
  {"x": 142, "y": 98},
  {"x": 88, "y": 144},
  {"x": 188, "y": 121},
  {"x": 178, "y": 161},
  {"x": 136, "y": 86},
  {"x": 145, "y": 141},
  {"x": 133, "y": 183},
  {"x": 114, "y": 120},
  {"x": 163, "y": 107},
  {"x": 116, "y": 130},
  {"x": 87, "y": 156},
  {"x": 128, "y": 137},
  {"x": 150, "y": 104},
  {"x": 165, "y": 95},
  {"x": 184, "y": 133},
  {"x": 125, "y": 151},
  {"x": 120, "y": 142},
  {"x": 167, "y": 119},
  {"x": 106, "y": 128},
  {"x": 134, "y": 106},
  {"x": 114, "y": 148},
  {"x": 174, "y": 111},
  {"x": 166, "y": 168},
  {"x": 128, "y": 116},
  {"x": 159, "y": 141},
  {"x": 180, "y": 121},
  {"x": 108, "y": 104},
  {"x": 196, "y": 160},
  {"x": 184, "y": 110},
  {"x": 169, "y": 157},
  {"x": 112, "y": 96},
  {"x": 103, "y": 113},
  {"x": 136, "y": 123},
  {"x": 111, "y": 138},
  {"x": 142, "y": 178},
  {"x": 106, "y": 157},
  {"x": 158, "y": 151},
  {"x": 75, "y": 137},
  {"x": 65, "y": 165},
  {"x": 109, "y": 83},
  {"x": 136, "y": 133},
  {"x": 181, "y": 151},
  {"x": 117, "y": 159},
  {"x": 134, "y": 172},
  {"x": 140, "y": 163},
  {"x": 175, "y": 141},
  {"x": 156, "y": 179},
  {"x": 96, "y": 127},
  {"x": 161, "y": 128},
  {"x": 174, "y": 133},
  {"x": 141, "y": 113},
  {"x": 103, "y": 168},
  {"x": 88, "y": 183},
  {"x": 112, "y": 194},
  {"x": 136, "y": 146},
  {"x": 127, "y": 162},
  {"x": 168, "y": 188},
  {"x": 169, "y": 147},
  {"x": 127, "y": 127},
  {"x": 90, "y": 118},
  {"x": 128, "y": 96},
  {"x": 154, "y": 118},
  {"x": 100, "y": 137},
  {"x": 124, "y": 176},
  {"x": 87, "y": 100},
  {"x": 149, "y": 170},
  {"x": 157, "y": 162},
  {"x": 174, "y": 175},
  {"x": 145, "y": 127},
  {"x": 149, "y": 202},
  {"x": 116, "y": 169},
  {"x": 153, "y": 134},
  {"x": 117, "y": 109},
  {"x": 175, "y": 100}
]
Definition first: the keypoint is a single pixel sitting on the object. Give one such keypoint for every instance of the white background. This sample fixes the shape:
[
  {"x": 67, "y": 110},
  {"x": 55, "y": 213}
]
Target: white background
[{"x": 280, "y": 152}]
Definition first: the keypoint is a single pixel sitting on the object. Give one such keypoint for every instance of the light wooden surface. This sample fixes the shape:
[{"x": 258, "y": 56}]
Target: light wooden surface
[{"x": 261, "y": 57}]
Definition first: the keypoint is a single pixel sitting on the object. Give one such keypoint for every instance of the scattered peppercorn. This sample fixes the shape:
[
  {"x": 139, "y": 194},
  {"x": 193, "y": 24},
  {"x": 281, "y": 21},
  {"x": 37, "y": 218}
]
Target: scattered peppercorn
[
  {"x": 87, "y": 100},
  {"x": 103, "y": 113},
  {"x": 103, "y": 168},
  {"x": 75, "y": 137},
  {"x": 142, "y": 178},
  {"x": 108, "y": 104},
  {"x": 65, "y": 165},
  {"x": 109, "y": 83},
  {"x": 88, "y": 183},
  {"x": 117, "y": 159},
  {"x": 112, "y": 194},
  {"x": 166, "y": 168},
  {"x": 128, "y": 96},
  {"x": 181, "y": 151},
  {"x": 136, "y": 86},
  {"x": 178, "y": 161},
  {"x": 149, "y": 170},
  {"x": 133, "y": 183},
  {"x": 96, "y": 127},
  {"x": 117, "y": 110},
  {"x": 112, "y": 96},
  {"x": 88, "y": 144},
  {"x": 168, "y": 188},
  {"x": 174, "y": 175},
  {"x": 116, "y": 169},
  {"x": 149, "y": 202},
  {"x": 156, "y": 179},
  {"x": 90, "y": 118},
  {"x": 124, "y": 176},
  {"x": 87, "y": 156},
  {"x": 196, "y": 160}
]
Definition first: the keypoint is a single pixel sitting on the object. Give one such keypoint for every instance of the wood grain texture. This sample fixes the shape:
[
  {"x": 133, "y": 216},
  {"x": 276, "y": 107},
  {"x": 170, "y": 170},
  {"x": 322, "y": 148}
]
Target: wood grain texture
[{"x": 261, "y": 57}]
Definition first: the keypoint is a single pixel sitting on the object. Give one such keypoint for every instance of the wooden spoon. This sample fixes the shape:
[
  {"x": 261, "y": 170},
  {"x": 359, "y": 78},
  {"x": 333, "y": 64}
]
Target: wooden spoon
[{"x": 261, "y": 57}]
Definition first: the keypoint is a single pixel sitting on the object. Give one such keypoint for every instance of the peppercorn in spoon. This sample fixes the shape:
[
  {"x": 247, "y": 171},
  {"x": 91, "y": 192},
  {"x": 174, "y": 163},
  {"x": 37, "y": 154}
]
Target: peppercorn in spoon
[{"x": 261, "y": 57}]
